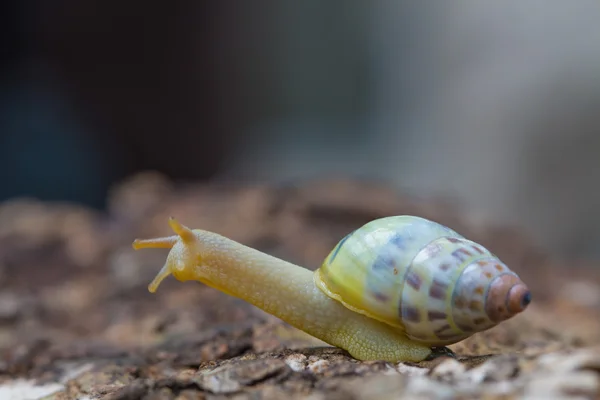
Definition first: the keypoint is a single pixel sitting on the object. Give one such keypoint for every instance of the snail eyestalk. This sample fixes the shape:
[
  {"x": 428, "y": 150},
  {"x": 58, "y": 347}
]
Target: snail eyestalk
[
  {"x": 185, "y": 233},
  {"x": 168, "y": 242},
  {"x": 157, "y": 243}
]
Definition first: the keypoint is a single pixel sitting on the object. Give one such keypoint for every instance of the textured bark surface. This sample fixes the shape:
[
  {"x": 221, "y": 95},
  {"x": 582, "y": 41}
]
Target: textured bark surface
[{"x": 77, "y": 321}]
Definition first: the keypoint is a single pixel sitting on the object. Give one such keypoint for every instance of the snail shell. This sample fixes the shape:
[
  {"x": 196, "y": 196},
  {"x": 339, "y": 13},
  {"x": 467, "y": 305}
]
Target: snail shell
[{"x": 421, "y": 278}]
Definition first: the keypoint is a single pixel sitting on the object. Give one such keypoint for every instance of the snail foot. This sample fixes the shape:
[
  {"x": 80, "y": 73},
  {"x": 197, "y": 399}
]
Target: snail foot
[{"x": 437, "y": 352}]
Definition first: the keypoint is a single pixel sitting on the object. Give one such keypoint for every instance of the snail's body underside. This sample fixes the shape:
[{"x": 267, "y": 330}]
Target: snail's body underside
[{"x": 422, "y": 278}]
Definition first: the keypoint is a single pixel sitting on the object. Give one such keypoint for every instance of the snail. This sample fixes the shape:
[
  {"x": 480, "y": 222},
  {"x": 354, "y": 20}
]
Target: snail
[{"x": 396, "y": 289}]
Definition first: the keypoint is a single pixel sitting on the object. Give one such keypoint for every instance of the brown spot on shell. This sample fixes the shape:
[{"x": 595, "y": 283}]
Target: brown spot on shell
[
  {"x": 488, "y": 275},
  {"x": 479, "y": 290},
  {"x": 433, "y": 249},
  {"x": 380, "y": 297},
  {"x": 410, "y": 314},
  {"x": 438, "y": 290},
  {"x": 477, "y": 249},
  {"x": 460, "y": 302},
  {"x": 433, "y": 315},
  {"x": 482, "y": 263},
  {"x": 475, "y": 305},
  {"x": 441, "y": 329},
  {"x": 395, "y": 271},
  {"x": 453, "y": 240},
  {"x": 479, "y": 321},
  {"x": 461, "y": 254},
  {"x": 444, "y": 267},
  {"x": 414, "y": 280},
  {"x": 465, "y": 328},
  {"x": 499, "y": 267}
]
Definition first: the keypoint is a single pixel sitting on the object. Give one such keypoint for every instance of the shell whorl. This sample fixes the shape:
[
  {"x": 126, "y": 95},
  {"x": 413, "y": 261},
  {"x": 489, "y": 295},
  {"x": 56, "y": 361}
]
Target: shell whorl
[{"x": 422, "y": 278}]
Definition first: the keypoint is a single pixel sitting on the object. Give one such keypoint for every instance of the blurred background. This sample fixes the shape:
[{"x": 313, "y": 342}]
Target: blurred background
[{"x": 494, "y": 105}]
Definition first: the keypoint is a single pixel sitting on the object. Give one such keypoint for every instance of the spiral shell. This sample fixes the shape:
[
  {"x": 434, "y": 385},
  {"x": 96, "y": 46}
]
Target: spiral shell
[{"x": 421, "y": 278}]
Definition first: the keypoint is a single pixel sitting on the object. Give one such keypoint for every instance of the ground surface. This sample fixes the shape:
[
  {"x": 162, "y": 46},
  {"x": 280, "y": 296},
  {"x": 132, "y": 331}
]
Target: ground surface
[{"x": 76, "y": 319}]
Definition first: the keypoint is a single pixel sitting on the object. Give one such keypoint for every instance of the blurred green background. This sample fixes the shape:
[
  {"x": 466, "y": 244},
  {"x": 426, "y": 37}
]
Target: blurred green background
[{"x": 495, "y": 105}]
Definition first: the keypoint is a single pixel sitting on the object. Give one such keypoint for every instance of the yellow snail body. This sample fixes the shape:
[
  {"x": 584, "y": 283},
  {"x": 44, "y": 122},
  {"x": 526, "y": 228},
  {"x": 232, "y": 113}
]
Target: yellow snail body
[{"x": 391, "y": 290}]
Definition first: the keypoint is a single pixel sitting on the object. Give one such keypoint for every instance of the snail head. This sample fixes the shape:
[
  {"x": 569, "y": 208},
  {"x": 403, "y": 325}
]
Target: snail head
[{"x": 182, "y": 258}]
